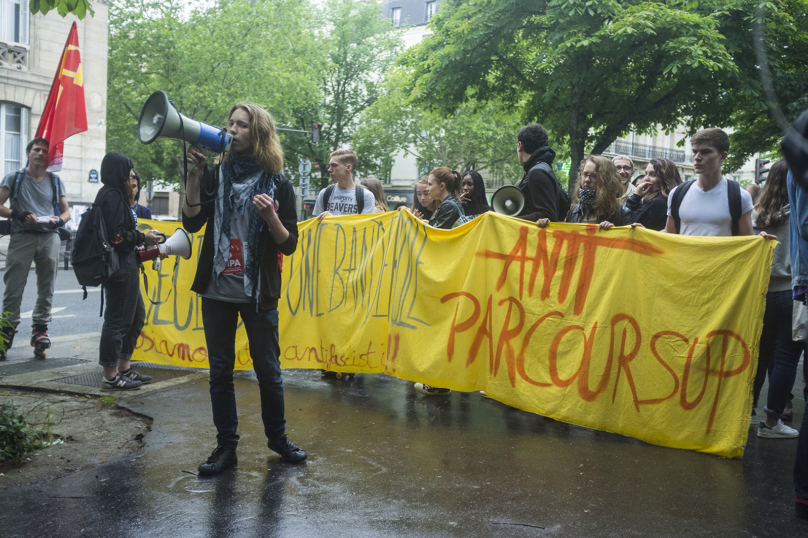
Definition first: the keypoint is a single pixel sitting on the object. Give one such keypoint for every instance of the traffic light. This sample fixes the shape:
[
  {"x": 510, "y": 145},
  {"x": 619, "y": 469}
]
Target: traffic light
[
  {"x": 761, "y": 170},
  {"x": 315, "y": 133}
]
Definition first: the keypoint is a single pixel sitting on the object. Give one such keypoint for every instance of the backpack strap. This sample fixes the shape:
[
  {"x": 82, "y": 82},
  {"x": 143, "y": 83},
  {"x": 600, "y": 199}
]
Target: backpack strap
[
  {"x": 676, "y": 201},
  {"x": 55, "y": 185},
  {"x": 360, "y": 198},
  {"x": 735, "y": 206},
  {"x": 327, "y": 195},
  {"x": 15, "y": 185}
]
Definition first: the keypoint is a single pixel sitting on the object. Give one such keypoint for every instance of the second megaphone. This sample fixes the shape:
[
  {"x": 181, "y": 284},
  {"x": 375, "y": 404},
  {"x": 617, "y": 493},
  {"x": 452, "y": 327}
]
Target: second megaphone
[
  {"x": 159, "y": 119},
  {"x": 508, "y": 200},
  {"x": 178, "y": 244}
]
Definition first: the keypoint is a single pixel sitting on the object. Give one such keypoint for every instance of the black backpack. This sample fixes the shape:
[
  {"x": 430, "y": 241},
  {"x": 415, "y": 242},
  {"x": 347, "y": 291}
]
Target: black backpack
[
  {"x": 360, "y": 197},
  {"x": 94, "y": 258},
  {"x": 563, "y": 199},
  {"x": 733, "y": 197}
]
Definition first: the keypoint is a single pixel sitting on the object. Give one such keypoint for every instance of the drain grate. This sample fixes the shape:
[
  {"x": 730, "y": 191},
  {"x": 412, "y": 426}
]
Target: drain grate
[
  {"x": 158, "y": 372},
  {"x": 36, "y": 365}
]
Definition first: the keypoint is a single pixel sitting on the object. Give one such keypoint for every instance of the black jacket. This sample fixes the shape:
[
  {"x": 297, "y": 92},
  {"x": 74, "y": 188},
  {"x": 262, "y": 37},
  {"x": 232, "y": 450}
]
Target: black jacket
[
  {"x": 652, "y": 214},
  {"x": 541, "y": 190},
  {"x": 621, "y": 217},
  {"x": 447, "y": 213},
  {"x": 114, "y": 203},
  {"x": 267, "y": 253}
]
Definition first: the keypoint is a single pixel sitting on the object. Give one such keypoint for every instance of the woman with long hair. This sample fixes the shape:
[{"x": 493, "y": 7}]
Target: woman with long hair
[
  {"x": 442, "y": 185},
  {"x": 125, "y": 313},
  {"x": 473, "y": 197},
  {"x": 375, "y": 186},
  {"x": 649, "y": 203},
  {"x": 421, "y": 202},
  {"x": 779, "y": 355},
  {"x": 597, "y": 194},
  {"x": 248, "y": 208}
]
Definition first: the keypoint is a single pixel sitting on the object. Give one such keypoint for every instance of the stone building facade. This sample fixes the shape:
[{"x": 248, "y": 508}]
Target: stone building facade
[{"x": 30, "y": 49}]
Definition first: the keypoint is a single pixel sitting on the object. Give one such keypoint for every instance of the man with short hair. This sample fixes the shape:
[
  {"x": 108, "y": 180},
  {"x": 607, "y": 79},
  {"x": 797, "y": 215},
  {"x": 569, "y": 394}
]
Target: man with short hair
[
  {"x": 625, "y": 169},
  {"x": 705, "y": 208},
  {"x": 344, "y": 197},
  {"x": 545, "y": 198},
  {"x": 38, "y": 207},
  {"x": 142, "y": 212}
]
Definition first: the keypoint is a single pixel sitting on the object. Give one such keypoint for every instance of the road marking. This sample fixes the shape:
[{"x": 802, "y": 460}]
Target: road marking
[
  {"x": 27, "y": 315},
  {"x": 77, "y": 291}
]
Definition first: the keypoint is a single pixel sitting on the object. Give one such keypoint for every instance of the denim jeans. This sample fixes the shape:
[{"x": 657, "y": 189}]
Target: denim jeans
[
  {"x": 220, "y": 320},
  {"x": 779, "y": 354},
  {"x": 801, "y": 465},
  {"x": 124, "y": 313}
]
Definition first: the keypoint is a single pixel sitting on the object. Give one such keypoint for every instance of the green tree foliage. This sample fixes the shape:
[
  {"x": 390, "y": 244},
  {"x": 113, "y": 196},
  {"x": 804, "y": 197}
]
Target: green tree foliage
[
  {"x": 206, "y": 59},
  {"x": 785, "y": 42},
  {"x": 478, "y": 136},
  {"x": 359, "y": 47},
  {"x": 79, "y": 8},
  {"x": 589, "y": 70}
]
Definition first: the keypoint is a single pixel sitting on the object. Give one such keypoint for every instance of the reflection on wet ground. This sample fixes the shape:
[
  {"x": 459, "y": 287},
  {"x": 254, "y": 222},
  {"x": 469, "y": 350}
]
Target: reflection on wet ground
[{"x": 386, "y": 461}]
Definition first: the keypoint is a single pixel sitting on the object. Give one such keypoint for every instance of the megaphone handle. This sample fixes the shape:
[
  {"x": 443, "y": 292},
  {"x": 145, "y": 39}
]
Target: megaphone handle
[{"x": 163, "y": 237}]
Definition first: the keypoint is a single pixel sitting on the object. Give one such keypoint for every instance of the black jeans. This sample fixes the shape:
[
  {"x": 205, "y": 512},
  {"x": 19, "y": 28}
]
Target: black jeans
[
  {"x": 124, "y": 313},
  {"x": 779, "y": 354},
  {"x": 220, "y": 321}
]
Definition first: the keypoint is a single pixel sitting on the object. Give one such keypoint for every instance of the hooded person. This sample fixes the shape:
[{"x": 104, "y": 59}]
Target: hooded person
[
  {"x": 141, "y": 211},
  {"x": 125, "y": 312}
]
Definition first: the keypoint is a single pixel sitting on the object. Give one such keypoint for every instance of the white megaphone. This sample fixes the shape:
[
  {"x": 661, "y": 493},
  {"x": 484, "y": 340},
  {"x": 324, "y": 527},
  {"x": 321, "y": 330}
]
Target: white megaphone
[
  {"x": 159, "y": 119},
  {"x": 508, "y": 200},
  {"x": 178, "y": 244}
]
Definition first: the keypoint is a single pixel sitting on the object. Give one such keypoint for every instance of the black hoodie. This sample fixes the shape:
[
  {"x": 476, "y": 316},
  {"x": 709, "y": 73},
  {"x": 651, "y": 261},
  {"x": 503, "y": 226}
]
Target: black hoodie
[
  {"x": 114, "y": 202},
  {"x": 541, "y": 190}
]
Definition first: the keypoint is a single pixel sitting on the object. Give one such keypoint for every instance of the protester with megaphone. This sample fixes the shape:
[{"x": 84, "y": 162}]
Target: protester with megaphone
[
  {"x": 544, "y": 197},
  {"x": 248, "y": 208},
  {"x": 125, "y": 313}
]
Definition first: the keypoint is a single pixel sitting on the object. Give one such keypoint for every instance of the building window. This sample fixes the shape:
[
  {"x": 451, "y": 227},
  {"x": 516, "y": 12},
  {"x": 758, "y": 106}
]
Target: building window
[
  {"x": 14, "y": 136},
  {"x": 396, "y": 17},
  {"x": 159, "y": 203},
  {"x": 430, "y": 10},
  {"x": 14, "y": 21}
]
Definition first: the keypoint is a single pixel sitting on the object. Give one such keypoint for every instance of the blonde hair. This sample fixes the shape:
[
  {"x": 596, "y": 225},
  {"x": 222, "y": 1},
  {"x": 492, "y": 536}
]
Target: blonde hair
[
  {"x": 346, "y": 156},
  {"x": 266, "y": 146},
  {"x": 375, "y": 186},
  {"x": 608, "y": 186}
]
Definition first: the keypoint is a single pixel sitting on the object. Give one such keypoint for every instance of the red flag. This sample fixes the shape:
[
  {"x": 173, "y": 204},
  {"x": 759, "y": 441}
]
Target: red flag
[{"x": 65, "y": 113}]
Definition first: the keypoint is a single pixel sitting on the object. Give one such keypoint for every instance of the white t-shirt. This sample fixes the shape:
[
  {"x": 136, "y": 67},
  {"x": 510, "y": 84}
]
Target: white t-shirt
[
  {"x": 707, "y": 213},
  {"x": 343, "y": 202}
]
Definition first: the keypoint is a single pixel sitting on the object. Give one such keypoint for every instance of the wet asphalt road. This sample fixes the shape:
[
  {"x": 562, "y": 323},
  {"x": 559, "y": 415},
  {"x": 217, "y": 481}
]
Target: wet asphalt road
[{"x": 386, "y": 461}]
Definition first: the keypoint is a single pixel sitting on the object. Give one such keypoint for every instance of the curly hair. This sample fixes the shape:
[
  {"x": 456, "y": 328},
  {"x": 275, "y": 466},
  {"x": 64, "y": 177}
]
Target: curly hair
[
  {"x": 608, "y": 186},
  {"x": 773, "y": 197},
  {"x": 266, "y": 146},
  {"x": 533, "y": 137}
]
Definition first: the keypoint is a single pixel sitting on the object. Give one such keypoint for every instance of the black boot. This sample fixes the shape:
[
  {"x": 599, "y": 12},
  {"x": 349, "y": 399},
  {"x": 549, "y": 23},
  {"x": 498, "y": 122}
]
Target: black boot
[
  {"x": 287, "y": 449},
  {"x": 221, "y": 459}
]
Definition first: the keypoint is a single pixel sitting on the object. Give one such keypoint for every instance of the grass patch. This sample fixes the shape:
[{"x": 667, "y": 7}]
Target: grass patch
[{"x": 108, "y": 401}]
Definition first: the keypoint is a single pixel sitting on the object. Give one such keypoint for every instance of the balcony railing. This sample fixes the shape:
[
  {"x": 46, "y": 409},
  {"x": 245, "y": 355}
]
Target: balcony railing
[
  {"x": 13, "y": 55},
  {"x": 645, "y": 151}
]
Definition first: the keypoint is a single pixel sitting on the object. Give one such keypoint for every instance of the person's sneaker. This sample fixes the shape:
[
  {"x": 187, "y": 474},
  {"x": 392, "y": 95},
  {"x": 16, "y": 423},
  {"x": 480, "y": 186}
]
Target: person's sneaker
[
  {"x": 802, "y": 508},
  {"x": 134, "y": 375},
  {"x": 287, "y": 449},
  {"x": 779, "y": 431},
  {"x": 430, "y": 391},
  {"x": 119, "y": 382},
  {"x": 222, "y": 458}
]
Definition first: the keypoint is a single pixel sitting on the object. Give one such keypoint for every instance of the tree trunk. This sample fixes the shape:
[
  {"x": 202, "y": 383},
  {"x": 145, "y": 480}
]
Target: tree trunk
[{"x": 576, "y": 156}]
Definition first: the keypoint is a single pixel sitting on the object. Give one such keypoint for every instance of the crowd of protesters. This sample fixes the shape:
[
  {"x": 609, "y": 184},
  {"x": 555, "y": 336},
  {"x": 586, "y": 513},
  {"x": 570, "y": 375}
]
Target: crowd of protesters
[{"x": 237, "y": 199}]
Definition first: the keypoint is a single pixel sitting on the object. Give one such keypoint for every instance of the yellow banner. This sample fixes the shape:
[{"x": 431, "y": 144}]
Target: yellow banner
[{"x": 636, "y": 332}]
